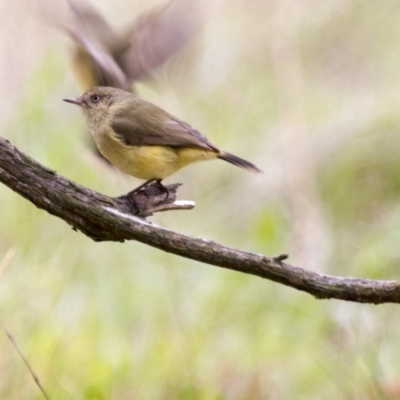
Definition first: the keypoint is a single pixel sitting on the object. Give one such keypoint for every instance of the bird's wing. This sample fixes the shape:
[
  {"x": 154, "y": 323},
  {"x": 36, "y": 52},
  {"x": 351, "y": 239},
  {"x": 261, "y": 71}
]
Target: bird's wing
[
  {"x": 159, "y": 34},
  {"x": 95, "y": 43},
  {"x": 166, "y": 130}
]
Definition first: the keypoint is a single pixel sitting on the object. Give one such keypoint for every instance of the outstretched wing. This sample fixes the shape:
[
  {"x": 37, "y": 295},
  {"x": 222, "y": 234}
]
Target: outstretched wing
[
  {"x": 159, "y": 34},
  {"x": 95, "y": 45}
]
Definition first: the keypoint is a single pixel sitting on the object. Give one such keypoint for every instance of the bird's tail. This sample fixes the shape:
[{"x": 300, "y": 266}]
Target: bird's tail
[{"x": 239, "y": 162}]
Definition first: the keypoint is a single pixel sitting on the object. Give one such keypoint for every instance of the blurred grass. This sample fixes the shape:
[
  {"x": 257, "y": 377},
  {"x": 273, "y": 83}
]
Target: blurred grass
[{"x": 124, "y": 321}]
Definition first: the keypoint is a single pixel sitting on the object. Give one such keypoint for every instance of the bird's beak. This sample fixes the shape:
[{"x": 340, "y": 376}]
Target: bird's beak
[{"x": 77, "y": 101}]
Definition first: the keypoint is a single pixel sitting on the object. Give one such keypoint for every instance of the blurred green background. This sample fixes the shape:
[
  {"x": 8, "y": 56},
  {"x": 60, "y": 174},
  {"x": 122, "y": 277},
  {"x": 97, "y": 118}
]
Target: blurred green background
[{"x": 310, "y": 92}]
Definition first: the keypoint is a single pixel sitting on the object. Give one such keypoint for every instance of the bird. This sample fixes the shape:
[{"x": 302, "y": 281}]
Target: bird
[
  {"x": 102, "y": 56},
  {"x": 142, "y": 139}
]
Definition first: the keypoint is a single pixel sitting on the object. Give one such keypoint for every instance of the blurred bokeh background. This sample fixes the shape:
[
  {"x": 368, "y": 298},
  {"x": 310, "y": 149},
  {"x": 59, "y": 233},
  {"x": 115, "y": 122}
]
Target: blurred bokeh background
[{"x": 310, "y": 92}]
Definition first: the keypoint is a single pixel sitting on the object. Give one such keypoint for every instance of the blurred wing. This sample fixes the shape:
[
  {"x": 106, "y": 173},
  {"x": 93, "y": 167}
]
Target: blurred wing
[
  {"x": 172, "y": 132},
  {"x": 96, "y": 44},
  {"x": 103, "y": 58},
  {"x": 90, "y": 23},
  {"x": 107, "y": 71},
  {"x": 159, "y": 34}
]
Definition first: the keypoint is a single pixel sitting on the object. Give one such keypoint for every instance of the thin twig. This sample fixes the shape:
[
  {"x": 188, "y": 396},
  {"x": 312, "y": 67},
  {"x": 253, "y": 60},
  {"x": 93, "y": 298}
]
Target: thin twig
[{"x": 34, "y": 376}]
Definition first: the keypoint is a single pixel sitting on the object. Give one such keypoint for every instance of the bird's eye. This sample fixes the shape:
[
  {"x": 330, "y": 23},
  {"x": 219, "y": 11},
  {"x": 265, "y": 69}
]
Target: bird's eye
[{"x": 95, "y": 98}]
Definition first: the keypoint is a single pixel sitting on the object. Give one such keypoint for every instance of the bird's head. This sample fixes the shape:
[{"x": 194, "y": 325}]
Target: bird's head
[{"x": 97, "y": 101}]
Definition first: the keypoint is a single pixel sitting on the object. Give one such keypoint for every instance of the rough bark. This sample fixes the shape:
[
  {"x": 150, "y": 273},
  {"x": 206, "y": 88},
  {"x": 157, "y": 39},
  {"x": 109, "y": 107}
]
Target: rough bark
[{"x": 103, "y": 218}]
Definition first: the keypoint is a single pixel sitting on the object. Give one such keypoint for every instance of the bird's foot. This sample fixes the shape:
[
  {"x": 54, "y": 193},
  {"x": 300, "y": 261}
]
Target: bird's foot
[
  {"x": 153, "y": 197},
  {"x": 152, "y": 187},
  {"x": 142, "y": 186}
]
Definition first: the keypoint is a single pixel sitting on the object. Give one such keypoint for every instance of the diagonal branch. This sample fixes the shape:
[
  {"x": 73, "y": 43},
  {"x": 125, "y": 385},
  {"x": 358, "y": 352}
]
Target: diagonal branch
[{"x": 103, "y": 218}]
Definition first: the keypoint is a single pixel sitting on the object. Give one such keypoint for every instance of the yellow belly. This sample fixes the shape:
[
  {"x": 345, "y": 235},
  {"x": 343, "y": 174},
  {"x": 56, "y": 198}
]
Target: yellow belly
[{"x": 149, "y": 162}]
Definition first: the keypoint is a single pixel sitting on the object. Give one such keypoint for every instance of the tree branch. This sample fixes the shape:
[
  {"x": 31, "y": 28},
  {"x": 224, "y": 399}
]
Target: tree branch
[{"x": 103, "y": 218}]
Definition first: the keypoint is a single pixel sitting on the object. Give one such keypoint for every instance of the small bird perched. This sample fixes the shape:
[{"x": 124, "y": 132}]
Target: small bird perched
[
  {"x": 102, "y": 56},
  {"x": 142, "y": 139}
]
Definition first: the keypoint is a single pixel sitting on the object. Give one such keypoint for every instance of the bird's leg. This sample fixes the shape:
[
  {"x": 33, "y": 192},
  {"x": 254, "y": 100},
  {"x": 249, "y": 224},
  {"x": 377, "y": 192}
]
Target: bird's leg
[{"x": 136, "y": 190}]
